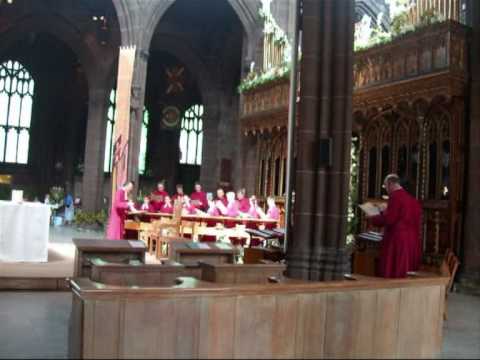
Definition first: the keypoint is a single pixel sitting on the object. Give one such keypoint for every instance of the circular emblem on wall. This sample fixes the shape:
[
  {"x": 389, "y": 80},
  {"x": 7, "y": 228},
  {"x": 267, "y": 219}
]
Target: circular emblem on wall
[{"x": 170, "y": 116}]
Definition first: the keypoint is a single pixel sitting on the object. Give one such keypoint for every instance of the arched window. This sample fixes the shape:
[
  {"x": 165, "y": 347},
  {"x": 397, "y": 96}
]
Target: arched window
[
  {"x": 191, "y": 136},
  {"x": 16, "y": 100},
  {"x": 109, "y": 142}
]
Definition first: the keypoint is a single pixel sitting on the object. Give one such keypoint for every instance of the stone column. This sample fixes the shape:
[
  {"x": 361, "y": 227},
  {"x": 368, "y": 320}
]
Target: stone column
[
  {"x": 93, "y": 177},
  {"x": 317, "y": 248},
  {"x": 471, "y": 245},
  {"x": 136, "y": 112}
]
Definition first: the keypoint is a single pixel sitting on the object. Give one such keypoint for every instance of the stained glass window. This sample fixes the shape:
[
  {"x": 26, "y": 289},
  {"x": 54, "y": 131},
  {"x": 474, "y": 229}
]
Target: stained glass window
[
  {"x": 191, "y": 136},
  {"x": 109, "y": 143},
  {"x": 16, "y": 100}
]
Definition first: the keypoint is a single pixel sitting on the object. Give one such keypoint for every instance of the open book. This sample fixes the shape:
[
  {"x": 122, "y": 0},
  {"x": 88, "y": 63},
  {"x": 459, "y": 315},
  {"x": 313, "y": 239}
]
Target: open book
[{"x": 370, "y": 209}]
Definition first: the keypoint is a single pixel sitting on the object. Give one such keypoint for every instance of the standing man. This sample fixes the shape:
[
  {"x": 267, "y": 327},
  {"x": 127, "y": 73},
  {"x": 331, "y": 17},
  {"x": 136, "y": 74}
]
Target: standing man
[
  {"x": 199, "y": 198},
  {"x": 401, "y": 245}
]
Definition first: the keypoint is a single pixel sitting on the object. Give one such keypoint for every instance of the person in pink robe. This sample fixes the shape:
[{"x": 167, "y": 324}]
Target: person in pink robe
[
  {"x": 243, "y": 202},
  {"x": 188, "y": 208},
  {"x": 158, "y": 196},
  {"x": 118, "y": 212},
  {"x": 179, "y": 193},
  {"x": 253, "y": 211},
  {"x": 167, "y": 207},
  {"x": 232, "y": 206},
  {"x": 221, "y": 197},
  {"x": 400, "y": 248},
  {"x": 273, "y": 212},
  {"x": 212, "y": 209},
  {"x": 199, "y": 198}
]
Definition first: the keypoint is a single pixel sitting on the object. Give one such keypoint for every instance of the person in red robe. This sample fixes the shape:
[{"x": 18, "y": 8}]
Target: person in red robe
[
  {"x": 158, "y": 196},
  {"x": 243, "y": 202},
  {"x": 147, "y": 205},
  {"x": 400, "y": 249},
  {"x": 121, "y": 205},
  {"x": 199, "y": 198},
  {"x": 167, "y": 207},
  {"x": 179, "y": 193}
]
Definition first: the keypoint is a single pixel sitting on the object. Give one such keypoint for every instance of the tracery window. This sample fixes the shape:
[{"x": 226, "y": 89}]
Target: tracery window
[
  {"x": 191, "y": 136},
  {"x": 16, "y": 100},
  {"x": 109, "y": 143}
]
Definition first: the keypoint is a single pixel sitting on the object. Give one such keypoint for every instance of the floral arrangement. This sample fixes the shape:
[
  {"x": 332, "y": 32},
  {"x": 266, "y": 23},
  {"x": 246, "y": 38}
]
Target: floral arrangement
[
  {"x": 85, "y": 218},
  {"x": 399, "y": 26},
  {"x": 253, "y": 79},
  {"x": 352, "y": 218},
  {"x": 57, "y": 194}
]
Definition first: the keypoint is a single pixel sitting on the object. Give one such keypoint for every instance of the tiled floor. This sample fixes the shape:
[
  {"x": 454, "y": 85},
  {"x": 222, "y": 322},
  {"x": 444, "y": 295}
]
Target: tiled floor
[{"x": 35, "y": 325}]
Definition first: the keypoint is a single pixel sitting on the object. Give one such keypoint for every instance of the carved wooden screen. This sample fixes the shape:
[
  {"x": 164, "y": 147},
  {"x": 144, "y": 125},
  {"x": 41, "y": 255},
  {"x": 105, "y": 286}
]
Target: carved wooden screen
[{"x": 272, "y": 164}]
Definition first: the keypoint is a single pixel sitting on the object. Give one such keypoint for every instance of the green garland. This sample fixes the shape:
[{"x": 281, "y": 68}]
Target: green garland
[{"x": 254, "y": 80}]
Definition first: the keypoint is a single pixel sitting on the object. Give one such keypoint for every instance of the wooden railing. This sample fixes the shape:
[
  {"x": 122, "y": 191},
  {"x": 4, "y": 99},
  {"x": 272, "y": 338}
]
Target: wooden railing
[{"x": 437, "y": 48}]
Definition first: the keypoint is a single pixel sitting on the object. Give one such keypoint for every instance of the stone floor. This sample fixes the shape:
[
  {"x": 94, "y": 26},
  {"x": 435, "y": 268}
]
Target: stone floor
[{"x": 35, "y": 325}]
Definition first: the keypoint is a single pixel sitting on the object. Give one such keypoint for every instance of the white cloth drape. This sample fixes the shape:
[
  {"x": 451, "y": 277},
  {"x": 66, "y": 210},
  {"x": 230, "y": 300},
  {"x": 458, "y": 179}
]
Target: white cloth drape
[{"x": 24, "y": 231}]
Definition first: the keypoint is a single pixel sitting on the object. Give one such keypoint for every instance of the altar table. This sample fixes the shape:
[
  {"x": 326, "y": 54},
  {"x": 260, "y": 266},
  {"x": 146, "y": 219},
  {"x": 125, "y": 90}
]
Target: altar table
[{"x": 24, "y": 231}]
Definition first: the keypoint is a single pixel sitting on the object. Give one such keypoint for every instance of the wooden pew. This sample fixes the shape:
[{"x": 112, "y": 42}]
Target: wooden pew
[
  {"x": 364, "y": 317},
  {"x": 136, "y": 275},
  {"x": 242, "y": 273},
  {"x": 117, "y": 251},
  {"x": 190, "y": 253}
]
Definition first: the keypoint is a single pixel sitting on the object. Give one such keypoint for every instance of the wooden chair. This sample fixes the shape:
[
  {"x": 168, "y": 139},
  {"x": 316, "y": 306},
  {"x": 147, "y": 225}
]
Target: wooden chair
[
  {"x": 144, "y": 232},
  {"x": 449, "y": 268},
  {"x": 168, "y": 229}
]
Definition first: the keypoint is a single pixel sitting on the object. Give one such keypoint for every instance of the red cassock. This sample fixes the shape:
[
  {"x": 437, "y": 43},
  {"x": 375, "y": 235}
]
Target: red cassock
[
  {"x": 199, "y": 200},
  {"x": 166, "y": 209},
  {"x": 118, "y": 213},
  {"x": 244, "y": 205},
  {"x": 401, "y": 245},
  {"x": 157, "y": 204}
]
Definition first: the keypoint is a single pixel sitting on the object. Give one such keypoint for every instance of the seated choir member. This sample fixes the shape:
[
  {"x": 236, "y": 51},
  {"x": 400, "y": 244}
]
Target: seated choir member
[
  {"x": 167, "y": 207},
  {"x": 212, "y": 208},
  {"x": 273, "y": 212},
  {"x": 243, "y": 202},
  {"x": 147, "y": 205},
  {"x": 401, "y": 248},
  {"x": 179, "y": 193},
  {"x": 221, "y": 197},
  {"x": 158, "y": 196},
  {"x": 118, "y": 212},
  {"x": 188, "y": 208},
  {"x": 253, "y": 212},
  {"x": 231, "y": 209},
  {"x": 199, "y": 198}
]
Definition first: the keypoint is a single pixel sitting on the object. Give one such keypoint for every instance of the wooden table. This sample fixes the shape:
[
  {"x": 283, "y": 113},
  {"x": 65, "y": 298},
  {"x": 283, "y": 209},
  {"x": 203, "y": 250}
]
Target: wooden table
[
  {"x": 115, "y": 251},
  {"x": 188, "y": 253}
]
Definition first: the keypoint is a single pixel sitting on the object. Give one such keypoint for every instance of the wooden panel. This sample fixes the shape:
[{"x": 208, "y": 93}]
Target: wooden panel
[
  {"x": 101, "y": 330},
  {"x": 418, "y": 331},
  {"x": 340, "y": 325},
  {"x": 309, "y": 340},
  {"x": 217, "y": 332},
  {"x": 432, "y": 321},
  {"x": 254, "y": 317},
  {"x": 364, "y": 330},
  {"x": 386, "y": 322},
  {"x": 75, "y": 338},
  {"x": 149, "y": 329},
  {"x": 187, "y": 312},
  {"x": 285, "y": 327}
]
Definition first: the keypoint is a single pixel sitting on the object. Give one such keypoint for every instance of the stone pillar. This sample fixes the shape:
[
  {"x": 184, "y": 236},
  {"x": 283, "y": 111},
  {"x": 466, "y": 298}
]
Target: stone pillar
[
  {"x": 93, "y": 177},
  {"x": 136, "y": 112},
  {"x": 471, "y": 245},
  {"x": 210, "y": 170},
  {"x": 317, "y": 248}
]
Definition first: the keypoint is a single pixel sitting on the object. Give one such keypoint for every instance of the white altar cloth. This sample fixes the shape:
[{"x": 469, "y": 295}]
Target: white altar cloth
[{"x": 24, "y": 231}]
